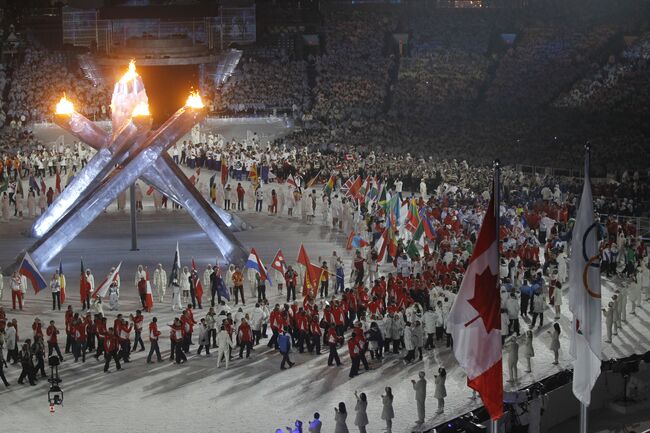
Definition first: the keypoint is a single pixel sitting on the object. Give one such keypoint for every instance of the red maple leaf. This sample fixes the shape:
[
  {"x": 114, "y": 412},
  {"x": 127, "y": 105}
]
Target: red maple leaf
[{"x": 486, "y": 300}]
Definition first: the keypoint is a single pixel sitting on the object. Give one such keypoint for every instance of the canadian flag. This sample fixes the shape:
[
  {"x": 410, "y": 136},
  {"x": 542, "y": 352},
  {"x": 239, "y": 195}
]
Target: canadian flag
[{"x": 475, "y": 321}]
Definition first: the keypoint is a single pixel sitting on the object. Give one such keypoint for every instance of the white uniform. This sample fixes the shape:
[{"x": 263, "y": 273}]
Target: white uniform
[
  {"x": 224, "y": 344},
  {"x": 160, "y": 282}
]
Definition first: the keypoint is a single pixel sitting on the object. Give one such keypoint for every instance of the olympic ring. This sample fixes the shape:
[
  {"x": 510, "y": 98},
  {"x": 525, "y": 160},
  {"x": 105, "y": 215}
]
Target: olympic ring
[
  {"x": 584, "y": 242},
  {"x": 585, "y": 281}
]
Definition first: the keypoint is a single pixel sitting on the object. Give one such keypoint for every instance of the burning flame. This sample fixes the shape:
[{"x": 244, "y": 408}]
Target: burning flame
[
  {"x": 131, "y": 74},
  {"x": 140, "y": 110},
  {"x": 64, "y": 106},
  {"x": 194, "y": 100}
]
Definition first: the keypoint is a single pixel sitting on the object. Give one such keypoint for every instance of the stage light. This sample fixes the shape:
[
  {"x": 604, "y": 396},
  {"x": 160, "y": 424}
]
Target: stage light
[
  {"x": 194, "y": 101},
  {"x": 64, "y": 106}
]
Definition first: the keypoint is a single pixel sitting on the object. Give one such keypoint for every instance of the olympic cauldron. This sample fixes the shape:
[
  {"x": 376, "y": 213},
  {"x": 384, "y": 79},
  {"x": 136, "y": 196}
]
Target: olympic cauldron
[{"x": 132, "y": 150}]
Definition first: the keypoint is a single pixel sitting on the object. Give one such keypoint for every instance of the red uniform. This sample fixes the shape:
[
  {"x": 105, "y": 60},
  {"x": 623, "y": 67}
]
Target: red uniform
[
  {"x": 154, "y": 333},
  {"x": 51, "y": 334}
]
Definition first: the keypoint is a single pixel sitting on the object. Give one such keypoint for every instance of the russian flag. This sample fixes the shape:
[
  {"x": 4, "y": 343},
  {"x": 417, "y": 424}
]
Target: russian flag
[
  {"x": 255, "y": 263},
  {"x": 359, "y": 242},
  {"x": 30, "y": 271}
]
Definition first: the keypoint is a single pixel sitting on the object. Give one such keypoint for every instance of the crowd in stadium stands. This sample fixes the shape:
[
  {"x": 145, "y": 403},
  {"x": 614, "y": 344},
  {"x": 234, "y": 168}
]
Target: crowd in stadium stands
[
  {"x": 544, "y": 62},
  {"x": 352, "y": 78},
  {"x": 39, "y": 81},
  {"x": 433, "y": 96},
  {"x": 602, "y": 89},
  {"x": 269, "y": 81}
]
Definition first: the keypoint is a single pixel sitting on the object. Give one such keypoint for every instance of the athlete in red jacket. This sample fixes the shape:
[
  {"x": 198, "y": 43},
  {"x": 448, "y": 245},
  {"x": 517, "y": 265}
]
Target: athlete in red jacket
[
  {"x": 154, "y": 333},
  {"x": 111, "y": 345}
]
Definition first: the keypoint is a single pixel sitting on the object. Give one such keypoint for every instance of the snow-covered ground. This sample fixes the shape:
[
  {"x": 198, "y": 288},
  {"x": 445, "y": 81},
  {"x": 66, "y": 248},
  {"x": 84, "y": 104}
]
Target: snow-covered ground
[{"x": 252, "y": 395}]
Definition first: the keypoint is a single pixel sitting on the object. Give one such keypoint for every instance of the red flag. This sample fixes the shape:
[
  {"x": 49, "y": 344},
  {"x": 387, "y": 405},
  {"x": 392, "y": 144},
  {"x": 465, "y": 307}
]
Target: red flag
[
  {"x": 312, "y": 278},
  {"x": 150, "y": 190},
  {"x": 278, "y": 262},
  {"x": 58, "y": 183},
  {"x": 311, "y": 271},
  {"x": 224, "y": 172},
  {"x": 149, "y": 298},
  {"x": 198, "y": 287},
  {"x": 198, "y": 172},
  {"x": 303, "y": 258},
  {"x": 475, "y": 319},
  {"x": 355, "y": 188},
  {"x": 83, "y": 284},
  {"x": 252, "y": 174},
  {"x": 348, "y": 243}
]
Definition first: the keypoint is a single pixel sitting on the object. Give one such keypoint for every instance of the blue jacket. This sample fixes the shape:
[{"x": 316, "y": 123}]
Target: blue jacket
[{"x": 284, "y": 341}]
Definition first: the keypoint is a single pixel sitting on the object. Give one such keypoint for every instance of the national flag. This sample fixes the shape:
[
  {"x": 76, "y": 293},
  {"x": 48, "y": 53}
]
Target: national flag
[
  {"x": 412, "y": 250},
  {"x": 224, "y": 172},
  {"x": 348, "y": 243},
  {"x": 83, "y": 283},
  {"x": 222, "y": 289},
  {"x": 212, "y": 180},
  {"x": 384, "y": 196},
  {"x": 102, "y": 289},
  {"x": 382, "y": 245},
  {"x": 31, "y": 272},
  {"x": 57, "y": 183},
  {"x": 359, "y": 242},
  {"x": 429, "y": 230},
  {"x": 148, "y": 300},
  {"x": 34, "y": 185},
  {"x": 278, "y": 263},
  {"x": 585, "y": 297},
  {"x": 252, "y": 174},
  {"x": 62, "y": 282},
  {"x": 329, "y": 186},
  {"x": 198, "y": 288},
  {"x": 418, "y": 235},
  {"x": 345, "y": 188},
  {"x": 198, "y": 172},
  {"x": 176, "y": 268},
  {"x": 312, "y": 272},
  {"x": 150, "y": 190},
  {"x": 393, "y": 212},
  {"x": 291, "y": 182},
  {"x": 392, "y": 242},
  {"x": 43, "y": 186},
  {"x": 474, "y": 320},
  {"x": 355, "y": 188},
  {"x": 313, "y": 180},
  {"x": 311, "y": 280},
  {"x": 255, "y": 263},
  {"x": 412, "y": 216}
]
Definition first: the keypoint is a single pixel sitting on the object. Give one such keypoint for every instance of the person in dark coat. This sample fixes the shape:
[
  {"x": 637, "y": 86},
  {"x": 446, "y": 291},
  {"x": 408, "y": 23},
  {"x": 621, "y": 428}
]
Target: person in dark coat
[{"x": 284, "y": 343}]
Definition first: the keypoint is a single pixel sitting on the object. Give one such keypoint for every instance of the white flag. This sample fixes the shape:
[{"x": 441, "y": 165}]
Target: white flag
[
  {"x": 103, "y": 287},
  {"x": 584, "y": 298}
]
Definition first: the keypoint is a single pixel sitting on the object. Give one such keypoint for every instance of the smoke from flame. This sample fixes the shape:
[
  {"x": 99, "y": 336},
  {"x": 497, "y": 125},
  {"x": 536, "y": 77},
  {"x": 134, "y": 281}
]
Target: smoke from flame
[
  {"x": 194, "y": 100},
  {"x": 64, "y": 106}
]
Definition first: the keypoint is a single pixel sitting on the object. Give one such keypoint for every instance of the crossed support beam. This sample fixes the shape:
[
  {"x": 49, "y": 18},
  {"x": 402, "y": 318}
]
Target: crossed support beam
[{"x": 131, "y": 153}]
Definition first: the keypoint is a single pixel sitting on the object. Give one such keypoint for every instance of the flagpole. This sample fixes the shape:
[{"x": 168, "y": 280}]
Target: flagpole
[
  {"x": 494, "y": 423},
  {"x": 583, "y": 407}
]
